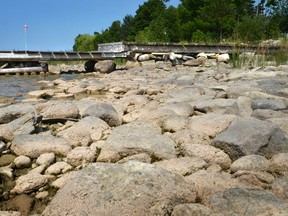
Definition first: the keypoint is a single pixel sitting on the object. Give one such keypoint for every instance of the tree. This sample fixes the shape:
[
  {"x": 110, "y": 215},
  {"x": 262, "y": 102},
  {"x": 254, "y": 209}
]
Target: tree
[
  {"x": 220, "y": 15},
  {"x": 145, "y": 14},
  {"x": 84, "y": 42}
]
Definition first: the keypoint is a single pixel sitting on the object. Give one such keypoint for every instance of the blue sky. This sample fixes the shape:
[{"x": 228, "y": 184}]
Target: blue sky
[{"x": 54, "y": 24}]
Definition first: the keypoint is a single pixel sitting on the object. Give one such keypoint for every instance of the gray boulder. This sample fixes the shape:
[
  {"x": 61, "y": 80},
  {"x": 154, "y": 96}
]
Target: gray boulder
[
  {"x": 56, "y": 109},
  {"x": 135, "y": 138},
  {"x": 22, "y": 125},
  {"x": 84, "y": 132},
  {"x": 268, "y": 104},
  {"x": 113, "y": 189},
  {"x": 250, "y": 162},
  {"x": 218, "y": 106},
  {"x": 35, "y": 145},
  {"x": 106, "y": 66},
  {"x": 209, "y": 153},
  {"x": 211, "y": 124},
  {"x": 12, "y": 112},
  {"x": 237, "y": 201},
  {"x": 105, "y": 112},
  {"x": 251, "y": 136}
]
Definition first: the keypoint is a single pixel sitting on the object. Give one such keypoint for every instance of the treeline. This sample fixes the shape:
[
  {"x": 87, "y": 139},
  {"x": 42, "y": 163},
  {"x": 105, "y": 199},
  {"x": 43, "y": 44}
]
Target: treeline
[{"x": 195, "y": 21}]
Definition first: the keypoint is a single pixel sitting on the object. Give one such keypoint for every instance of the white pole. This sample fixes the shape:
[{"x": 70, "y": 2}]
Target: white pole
[{"x": 25, "y": 36}]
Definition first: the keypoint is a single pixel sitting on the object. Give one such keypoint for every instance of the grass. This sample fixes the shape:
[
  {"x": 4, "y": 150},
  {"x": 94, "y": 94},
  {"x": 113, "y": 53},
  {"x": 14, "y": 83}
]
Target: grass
[{"x": 261, "y": 57}]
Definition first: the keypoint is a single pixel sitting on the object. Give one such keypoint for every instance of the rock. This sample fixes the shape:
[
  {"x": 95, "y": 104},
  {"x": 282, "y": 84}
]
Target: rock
[
  {"x": 217, "y": 106},
  {"x": 29, "y": 183},
  {"x": 263, "y": 114},
  {"x": 46, "y": 159},
  {"x": 175, "y": 123},
  {"x": 52, "y": 109},
  {"x": 132, "y": 64},
  {"x": 250, "y": 163},
  {"x": 183, "y": 165},
  {"x": 81, "y": 155},
  {"x": 268, "y": 104},
  {"x": 185, "y": 94},
  {"x": 130, "y": 189},
  {"x": 7, "y": 159},
  {"x": 35, "y": 145},
  {"x": 251, "y": 136},
  {"x": 194, "y": 62},
  {"x": 2, "y": 147},
  {"x": 10, "y": 213},
  {"x": 281, "y": 123},
  {"x": 106, "y": 66},
  {"x": 6, "y": 171},
  {"x": 143, "y": 157},
  {"x": 190, "y": 137},
  {"x": 158, "y": 116},
  {"x": 211, "y": 124},
  {"x": 60, "y": 182},
  {"x": 84, "y": 132},
  {"x": 12, "y": 112},
  {"x": 240, "y": 201},
  {"x": 194, "y": 209},
  {"x": 209, "y": 183},
  {"x": 181, "y": 109},
  {"x": 42, "y": 195},
  {"x": 136, "y": 138},
  {"x": 22, "y": 125},
  {"x": 279, "y": 164},
  {"x": 257, "y": 178},
  {"x": 77, "y": 92},
  {"x": 105, "y": 112},
  {"x": 45, "y": 94},
  {"x": 222, "y": 57},
  {"x": 22, "y": 161},
  {"x": 58, "y": 168},
  {"x": 280, "y": 187},
  {"x": 209, "y": 153},
  {"x": 244, "y": 106}
]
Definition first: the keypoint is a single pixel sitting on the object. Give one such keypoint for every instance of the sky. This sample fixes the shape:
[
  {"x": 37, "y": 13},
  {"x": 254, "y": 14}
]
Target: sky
[{"x": 54, "y": 24}]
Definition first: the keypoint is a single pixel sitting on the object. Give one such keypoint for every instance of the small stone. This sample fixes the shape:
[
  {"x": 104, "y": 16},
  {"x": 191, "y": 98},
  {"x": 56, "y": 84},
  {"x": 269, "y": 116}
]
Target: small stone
[
  {"x": 46, "y": 159},
  {"x": 22, "y": 162}
]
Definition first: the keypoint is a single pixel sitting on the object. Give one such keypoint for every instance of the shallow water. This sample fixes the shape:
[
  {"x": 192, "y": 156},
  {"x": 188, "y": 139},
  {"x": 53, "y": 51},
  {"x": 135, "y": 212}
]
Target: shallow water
[{"x": 17, "y": 86}]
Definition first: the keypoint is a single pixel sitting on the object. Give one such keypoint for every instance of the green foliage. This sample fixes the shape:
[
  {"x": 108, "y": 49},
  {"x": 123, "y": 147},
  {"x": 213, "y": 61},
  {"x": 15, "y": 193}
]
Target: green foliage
[
  {"x": 200, "y": 21},
  {"x": 251, "y": 29},
  {"x": 84, "y": 43}
]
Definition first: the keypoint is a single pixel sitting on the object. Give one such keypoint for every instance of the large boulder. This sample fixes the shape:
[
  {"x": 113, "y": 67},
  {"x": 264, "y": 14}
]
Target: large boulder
[
  {"x": 22, "y": 125},
  {"x": 135, "y": 138},
  {"x": 56, "y": 109},
  {"x": 251, "y": 136},
  {"x": 12, "y": 112},
  {"x": 106, "y": 66},
  {"x": 268, "y": 104},
  {"x": 211, "y": 124},
  {"x": 114, "y": 189},
  {"x": 209, "y": 153},
  {"x": 237, "y": 201},
  {"x": 104, "y": 111},
  {"x": 35, "y": 145},
  {"x": 84, "y": 132}
]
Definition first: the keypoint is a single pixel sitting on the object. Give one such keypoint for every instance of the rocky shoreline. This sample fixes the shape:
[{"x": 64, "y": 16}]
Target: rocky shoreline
[{"x": 154, "y": 139}]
